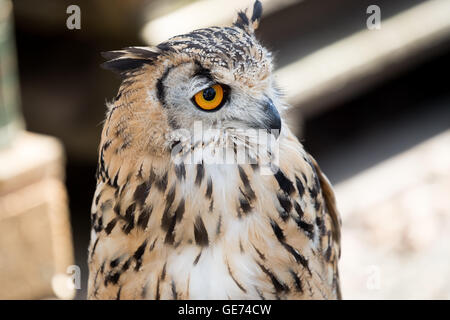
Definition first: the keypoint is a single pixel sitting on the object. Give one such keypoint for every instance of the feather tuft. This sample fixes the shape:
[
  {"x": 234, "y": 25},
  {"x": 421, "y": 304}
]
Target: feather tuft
[{"x": 129, "y": 59}]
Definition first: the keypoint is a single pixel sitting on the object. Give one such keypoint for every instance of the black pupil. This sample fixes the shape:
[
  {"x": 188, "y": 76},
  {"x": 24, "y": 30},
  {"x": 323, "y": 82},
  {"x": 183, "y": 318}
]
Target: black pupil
[{"x": 209, "y": 94}]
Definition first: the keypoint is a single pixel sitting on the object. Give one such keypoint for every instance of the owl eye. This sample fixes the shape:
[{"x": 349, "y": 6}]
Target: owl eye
[{"x": 209, "y": 99}]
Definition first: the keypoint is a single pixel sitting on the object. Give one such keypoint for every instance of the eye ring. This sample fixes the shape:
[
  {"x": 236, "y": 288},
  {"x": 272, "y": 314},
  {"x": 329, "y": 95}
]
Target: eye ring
[{"x": 211, "y": 98}]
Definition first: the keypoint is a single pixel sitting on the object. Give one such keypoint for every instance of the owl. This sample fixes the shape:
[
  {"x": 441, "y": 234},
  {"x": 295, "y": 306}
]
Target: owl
[{"x": 202, "y": 190}]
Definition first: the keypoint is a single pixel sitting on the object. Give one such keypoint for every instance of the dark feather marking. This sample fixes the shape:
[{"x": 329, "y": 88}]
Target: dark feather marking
[
  {"x": 166, "y": 219},
  {"x": 277, "y": 230},
  {"x": 110, "y": 226},
  {"x": 284, "y": 183},
  {"x": 117, "y": 209},
  {"x": 260, "y": 254},
  {"x": 93, "y": 218},
  {"x": 114, "y": 263},
  {"x": 100, "y": 270},
  {"x": 313, "y": 192},
  {"x": 138, "y": 255},
  {"x": 139, "y": 174},
  {"x": 118, "y": 293},
  {"x": 157, "y": 290},
  {"x": 94, "y": 246},
  {"x": 141, "y": 193},
  {"x": 163, "y": 272},
  {"x": 151, "y": 176},
  {"x": 200, "y": 174},
  {"x": 202, "y": 71},
  {"x": 126, "y": 265},
  {"x": 161, "y": 94},
  {"x": 112, "y": 278},
  {"x": 200, "y": 233},
  {"x": 124, "y": 146},
  {"x": 97, "y": 199},
  {"x": 297, "y": 281},
  {"x": 286, "y": 204},
  {"x": 245, "y": 205},
  {"x": 178, "y": 215},
  {"x": 103, "y": 169},
  {"x": 170, "y": 236},
  {"x": 300, "y": 187},
  {"x": 219, "y": 224},
  {"x": 180, "y": 171},
  {"x": 234, "y": 279},
  {"x": 161, "y": 183},
  {"x": 169, "y": 222},
  {"x": 320, "y": 223},
  {"x": 249, "y": 193},
  {"x": 317, "y": 205},
  {"x": 328, "y": 253},
  {"x": 279, "y": 286},
  {"x": 306, "y": 227},
  {"x": 280, "y": 236},
  {"x": 114, "y": 183},
  {"x": 153, "y": 244},
  {"x": 297, "y": 256},
  {"x": 99, "y": 225},
  {"x": 102, "y": 267},
  {"x": 209, "y": 188},
  {"x": 129, "y": 218},
  {"x": 316, "y": 189},
  {"x": 211, "y": 205},
  {"x": 298, "y": 209},
  {"x": 174, "y": 291},
  {"x": 197, "y": 258},
  {"x": 124, "y": 186},
  {"x": 144, "y": 217},
  {"x": 260, "y": 294}
]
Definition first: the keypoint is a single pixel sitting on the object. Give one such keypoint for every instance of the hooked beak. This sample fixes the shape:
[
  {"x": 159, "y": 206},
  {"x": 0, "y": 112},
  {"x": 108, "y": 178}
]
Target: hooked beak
[
  {"x": 273, "y": 120},
  {"x": 270, "y": 122}
]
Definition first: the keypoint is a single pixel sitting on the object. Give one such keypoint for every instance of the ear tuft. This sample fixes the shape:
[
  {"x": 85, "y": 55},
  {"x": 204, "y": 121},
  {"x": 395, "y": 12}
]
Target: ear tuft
[
  {"x": 250, "y": 25},
  {"x": 129, "y": 59},
  {"x": 257, "y": 14}
]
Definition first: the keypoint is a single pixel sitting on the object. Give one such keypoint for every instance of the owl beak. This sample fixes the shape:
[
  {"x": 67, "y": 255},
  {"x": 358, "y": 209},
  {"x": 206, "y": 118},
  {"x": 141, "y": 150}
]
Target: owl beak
[{"x": 273, "y": 119}]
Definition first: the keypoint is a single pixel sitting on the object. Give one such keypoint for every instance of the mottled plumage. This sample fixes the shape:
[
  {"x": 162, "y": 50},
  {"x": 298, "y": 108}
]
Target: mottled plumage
[{"x": 163, "y": 228}]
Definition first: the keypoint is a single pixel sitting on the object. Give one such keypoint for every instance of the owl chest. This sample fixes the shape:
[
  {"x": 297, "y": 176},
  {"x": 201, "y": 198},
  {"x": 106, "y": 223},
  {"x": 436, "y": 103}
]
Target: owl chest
[{"x": 213, "y": 274}]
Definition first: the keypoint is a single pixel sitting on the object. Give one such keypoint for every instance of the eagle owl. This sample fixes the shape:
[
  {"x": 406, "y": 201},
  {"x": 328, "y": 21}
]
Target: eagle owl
[{"x": 166, "y": 223}]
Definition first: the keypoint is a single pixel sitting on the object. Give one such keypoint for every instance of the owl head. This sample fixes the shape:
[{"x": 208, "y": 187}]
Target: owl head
[{"x": 220, "y": 77}]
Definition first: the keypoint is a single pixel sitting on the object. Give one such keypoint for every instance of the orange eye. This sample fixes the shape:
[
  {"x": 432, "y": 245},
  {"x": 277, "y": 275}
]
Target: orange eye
[{"x": 210, "y": 98}]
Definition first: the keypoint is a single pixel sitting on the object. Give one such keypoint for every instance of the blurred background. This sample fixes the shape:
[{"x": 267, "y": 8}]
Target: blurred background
[{"x": 370, "y": 101}]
